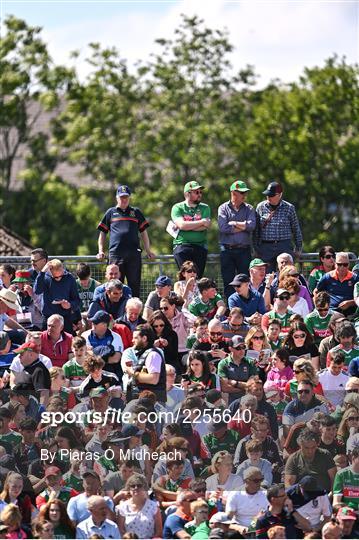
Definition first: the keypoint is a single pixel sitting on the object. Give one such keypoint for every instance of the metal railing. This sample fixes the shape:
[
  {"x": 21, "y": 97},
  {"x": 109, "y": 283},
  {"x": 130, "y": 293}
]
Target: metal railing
[{"x": 162, "y": 264}]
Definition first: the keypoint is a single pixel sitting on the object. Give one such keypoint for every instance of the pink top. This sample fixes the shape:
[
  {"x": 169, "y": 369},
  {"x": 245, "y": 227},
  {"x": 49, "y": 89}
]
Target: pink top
[{"x": 279, "y": 378}]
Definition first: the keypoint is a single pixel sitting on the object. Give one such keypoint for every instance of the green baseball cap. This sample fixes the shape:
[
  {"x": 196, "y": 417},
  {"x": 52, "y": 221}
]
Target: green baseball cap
[
  {"x": 238, "y": 185},
  {"x": 191, "y": 186},
  {"x": 257, "y": 262}
]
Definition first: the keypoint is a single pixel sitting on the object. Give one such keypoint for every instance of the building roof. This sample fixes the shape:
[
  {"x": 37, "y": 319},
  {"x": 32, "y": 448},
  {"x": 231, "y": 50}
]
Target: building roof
[{"x": 12, "y": 245}]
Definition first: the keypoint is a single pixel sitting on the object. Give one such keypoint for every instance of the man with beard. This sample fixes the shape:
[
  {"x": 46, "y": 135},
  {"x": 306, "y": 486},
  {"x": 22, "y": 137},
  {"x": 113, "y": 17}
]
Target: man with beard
[{"x": 150, "y": 371}]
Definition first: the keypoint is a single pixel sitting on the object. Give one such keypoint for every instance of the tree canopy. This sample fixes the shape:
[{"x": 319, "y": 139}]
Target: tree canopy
[{"x": 183, "y": 115}]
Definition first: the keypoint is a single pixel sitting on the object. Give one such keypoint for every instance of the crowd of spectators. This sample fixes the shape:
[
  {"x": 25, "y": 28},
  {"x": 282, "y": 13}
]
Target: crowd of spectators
[{"x": 186, "y": 414}]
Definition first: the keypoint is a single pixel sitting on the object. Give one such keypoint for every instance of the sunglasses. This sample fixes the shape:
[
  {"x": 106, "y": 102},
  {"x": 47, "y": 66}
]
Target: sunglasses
[
  {"x": 258, "y": 337},
  {"x": 355, "y": 390},
  {"x": 197, "y": 191},
  {"x": 345, "y": 265},
  {"x": 292, "y": 294},
  {"x": 33, "y": 261},
  {"x": 192, "y": 271},
  {"x": 304, "y": 391},
  {"x": 215, "y": 333},
  {"x": 323, "y": 310},
  {"x": 158, "y": 326},
  {"x": 299, "y": 336},
  {"x": 296, "y": 371},
  {"x": 329, "y": 256},
  {"x": 240, "y": 348},
  {"x": 353, "y": 418},
  {"x": 283, "y": 297},
  {"x": 136, "y": 486},
  {"x": 164, "y": 308}
]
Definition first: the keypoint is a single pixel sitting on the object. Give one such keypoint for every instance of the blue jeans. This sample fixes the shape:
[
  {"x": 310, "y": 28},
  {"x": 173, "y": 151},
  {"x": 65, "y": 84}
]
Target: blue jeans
[{"x": 233, "y": 262}]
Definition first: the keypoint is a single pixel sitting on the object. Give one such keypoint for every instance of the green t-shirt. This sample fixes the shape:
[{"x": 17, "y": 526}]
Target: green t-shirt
[
  {"x": 314, "y": 278},
  {"x": 229, "y": 442},
  {"x": 86, "y": 295},
  {"x": 204, "y": 309},
  {"x": 318, "y": 326},
  {"x": 284, "y": 319},
  {"x": 74, "y": 372},
  {"x": 211, "y": 382},
  {"x": 70, "y": 480},
  {"x": 62, "y": 532},
  {"x": 229, "y": 370},
  {"x": 187, "y": 213},
  {"x": 11, "y": 437},
  {"x": 201, "y": 532},
  {"x": 346, "y": 483},
  {"x": 349, "y": 355}
]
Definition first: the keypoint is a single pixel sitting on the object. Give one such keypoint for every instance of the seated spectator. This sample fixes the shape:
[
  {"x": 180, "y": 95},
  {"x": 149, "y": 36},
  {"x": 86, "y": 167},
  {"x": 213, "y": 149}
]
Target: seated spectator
[
  {"x": 34, "y": 372},
  {"x": 174, "y": 525},
  {"x": 198, "y": 331},
  {"x": 77, "y": 508},
  {"x": 55, "y": 342},
  {"x": 175, "y": 395},
  {"x": 311, "y": 502},
  {"x": 54, "y": 488},
  {"x": 339, "y": 284},
  {"x": 346, "y": 483},
  {"x": 86, "y": 286},
  {"x": 21, "y": 393},
  {"x": 349, "y": 424},
  {"x": 290, "y": 271},
  {"x": 112, "y": 272},
  {"x": 281, "y": 371},
  {"x": 235, "y": 325},
  {"x": 249, "y": 300},
  {"x": 73, "y": 369},
  {"x": 104, "y": 342},
  {"x": 215, "y": 344},
  {"x": 280, "y": 312},
  {"x": 330, "y": 342},
  {"x": 30, "y": 303},
  {"x": 198, "y": 371},
  {"x": 328, "y": 436},
  {"x": 167, "y": 485},
  {"x": 260, "y": 433},
  {"x": 254, "y": 450},
  {"x": 241, "y": 421},
  {"x": 59, "y": 292},
  {"x": 310, "y": 459},
  {"x": 318, "y": 320},
  {"x": 327, "y": 264},
  {"x": 303, "y": 369},
  {"x": 139, "y": 514},
  {"x": 9, "y": 303},
  {"x": 186, "y": 286},
  {"x": 6, "y": 352},
  {"x": 244, "y": 506},
  {"x": 97, "y": 376},
  {"x": 348, "y": 520},
  {"x": 261, "y": 281},
  {"x": 333, "y": 379},
  {"x": 55, "y": 512},
  {"x": 208, "y": 303},
  {"x": 299, "y": 344},
  {"x": 7, "y": 275},
  {"x": 346, "y": 336},
  {"x": 258, "y": 350},
  {"x": 277, "y": 515},
  {"x": 302, "y": 408},
  {"x": 132, "y": 316},
  {"x": 199, "y": 526},
  {"x": 296, "y": 303},
  {"x": 235, "y": 370},
  {"x": 222, "y": 478},
  {"x": 97, "y": 523},
  {"x": 220, "y": 438},
  {"x": 13, "y": 492},
  {"x": 163, "y": 288},
  {"x": 11, "y": 517},
  {"x": 273, "y": 334},
  {"x": 112, "y": 300}
]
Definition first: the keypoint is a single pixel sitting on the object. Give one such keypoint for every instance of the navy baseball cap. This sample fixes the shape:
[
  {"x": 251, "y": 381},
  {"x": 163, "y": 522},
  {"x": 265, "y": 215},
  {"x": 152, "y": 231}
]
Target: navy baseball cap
[
  {"x": 274, "y": 188},
  {"x": 239, "y": 279},
  {"x": 123, "y": 191},
  {"x": 163, "y": 281},
  {"x": 101, "y": 316}
]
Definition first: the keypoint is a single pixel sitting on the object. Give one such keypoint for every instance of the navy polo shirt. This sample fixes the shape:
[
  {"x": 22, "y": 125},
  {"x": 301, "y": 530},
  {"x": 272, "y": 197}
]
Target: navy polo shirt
[
  {"x": 338, "y": 290},
  {"x": 250, "y": 305},
  {"x": 124, "y": 226}
]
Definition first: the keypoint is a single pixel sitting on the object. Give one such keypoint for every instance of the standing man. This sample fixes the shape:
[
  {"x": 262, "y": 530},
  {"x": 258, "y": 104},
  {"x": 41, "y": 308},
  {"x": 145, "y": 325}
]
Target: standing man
[
  {"x": 236, "y": 222},
  {"x": 277, "y": 223},
  {"x": 192, "y": 219},
  {"x": 124, "y": 223},
  {"x": 38, "y": 258}
]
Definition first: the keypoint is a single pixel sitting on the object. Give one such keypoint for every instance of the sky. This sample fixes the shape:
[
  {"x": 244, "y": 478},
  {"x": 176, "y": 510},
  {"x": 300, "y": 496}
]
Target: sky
[{"x": 279, "y": 38}]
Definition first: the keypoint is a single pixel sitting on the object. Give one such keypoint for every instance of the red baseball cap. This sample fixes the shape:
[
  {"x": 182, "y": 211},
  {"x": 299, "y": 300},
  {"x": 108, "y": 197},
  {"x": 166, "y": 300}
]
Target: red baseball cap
[
  {"x": 52, "y": 471},
  {"x": 346, "y": 513},
  {"x": 28, "y": 346}
]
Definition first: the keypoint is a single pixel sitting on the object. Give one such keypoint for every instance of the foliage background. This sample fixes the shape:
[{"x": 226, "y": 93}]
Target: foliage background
[{"x": 184, "y": 115}]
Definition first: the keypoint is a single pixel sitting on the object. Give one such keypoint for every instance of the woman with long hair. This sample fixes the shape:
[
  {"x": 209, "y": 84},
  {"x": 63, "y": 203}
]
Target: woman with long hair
[
  {"x": 12, "y": 518},
  {"x": 13, "y": 492},
  {"x": 55, "y": 512},
  {"x": 291, "y": 271},
  {"x": 186, "y": 286},
  {"x": 7, "y": 274},
  {"x": 280, "y": 372},
  {"x": 327, "y": 264},
  {"x": 166, "y": 338},
  {"x": 299, "y": 343},
  {"x": 181, "y": 324},
  {"x": 198, "y": 372},
  {"x": 139, "y": 514},
  {"x": 349, "y": 424},
  {"x": 222, "y": 477},
  {"x": 303, "y": 370},
  {"x": 258, "y": 349}
]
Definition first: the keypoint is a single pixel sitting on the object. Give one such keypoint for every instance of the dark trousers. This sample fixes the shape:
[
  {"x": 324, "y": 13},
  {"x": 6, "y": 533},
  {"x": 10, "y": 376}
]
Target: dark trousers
[
  {"x": 269, "y": 252},
  {"x": 191, "y": 252},
  {"x": 233, "y": 262},
  {"x": 130, "y": 266}
]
